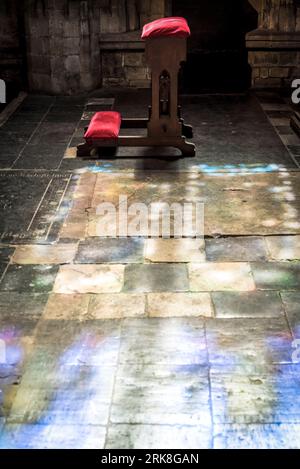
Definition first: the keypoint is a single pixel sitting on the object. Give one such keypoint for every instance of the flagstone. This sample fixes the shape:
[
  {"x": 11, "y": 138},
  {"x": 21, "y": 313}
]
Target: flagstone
[
  {"x": 90, "y": 278},
  {"x": 116, "y": 306},
  {"x": 247, "y": 304},
  {"x": 236, "y": 249},
  {"x": 110, "y": 251},
  {"x": 45, "y": 254},
  {"x": 155, "y": 278},
  {"x": 29, "y": 278},
  {"x": 291, "y": 301},
  {"x": 63, "y": 306},
  {"x": 179, "y": 305},
  {"x": 283, "y": 247},
  {"x": 276, "y": 275},
  {"x": 209, "y": 276},
  {"x": 174, "y": 250},
  {"x": 258, "y": 436},
  {"x": 140, "y": 436}
]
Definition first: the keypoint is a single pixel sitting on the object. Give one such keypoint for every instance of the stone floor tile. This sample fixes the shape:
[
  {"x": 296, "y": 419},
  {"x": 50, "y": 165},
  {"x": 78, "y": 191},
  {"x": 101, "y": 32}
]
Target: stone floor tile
[
  {"x": 52, "y": 436},
  {"x": 290, "y": 139},
  {"x": 179, "y": 305},
  {"x": 174, "y": 250},
  {"x": 75, "y": 225},
  {"x": 267, "y": 436},
  {"x": 19, "y": 316},
  {"x": 29, "y": 278},
  {"x": 276, "y": 275},
  {"x": 116, "y": 306},
  {"x": 156, "y": 278},
  {"x": 123, "y": 436},
  {"x": 291, "y": 303},
  {"x": 5, "y": 255},
  {"x": 89, "y": 279},
  {"x": 248, "y": 340},
  {"x": 174, "y": 395},
  {"x": 163, "y": 341},
  {"x": 247, "y": 304},
  {"x": 67, "y": 307},
  {"x": 236, "y": 249},
  {"x": 221, "y": 277},
  {"x": 283, "y": 248},
  {"x": 45, "y": 254},
  {"x": 68, "y": 343},
  {"x": 110, "y": 251},
  {"x": 72, "y": 394},
  {"x": 262, "y": 394}
]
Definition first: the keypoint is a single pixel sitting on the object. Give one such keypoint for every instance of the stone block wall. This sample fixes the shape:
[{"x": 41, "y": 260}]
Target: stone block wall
[
  {"x": 122, "y": 56},
  {"x": 274, "y": 68},
  {"x": 274, "y": 48},
  {"x": 63, "y": 45},
  {"x": 11, "y": 52},
  {"x": 125, "y": 68}
]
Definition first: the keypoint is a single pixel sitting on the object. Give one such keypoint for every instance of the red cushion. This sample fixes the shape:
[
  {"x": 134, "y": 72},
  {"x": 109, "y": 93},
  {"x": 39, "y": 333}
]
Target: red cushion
[
  {"x": 105, "y": 124},
  {"x": 174, "y": 26}
]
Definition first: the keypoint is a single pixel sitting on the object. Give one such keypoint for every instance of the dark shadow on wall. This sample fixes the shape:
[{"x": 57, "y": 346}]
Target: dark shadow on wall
[{"x": 217, "y": 55}]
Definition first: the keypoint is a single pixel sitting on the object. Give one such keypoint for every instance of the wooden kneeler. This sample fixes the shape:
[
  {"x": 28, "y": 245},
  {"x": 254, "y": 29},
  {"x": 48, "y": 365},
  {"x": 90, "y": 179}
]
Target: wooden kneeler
[{"x": 165, "y": 51}]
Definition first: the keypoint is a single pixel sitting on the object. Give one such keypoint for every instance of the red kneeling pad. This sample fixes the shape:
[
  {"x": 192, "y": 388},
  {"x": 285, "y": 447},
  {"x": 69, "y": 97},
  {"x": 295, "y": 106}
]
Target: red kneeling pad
[
  {"x": 174, "y": 26},
  {"x": 104, "y": 125}
]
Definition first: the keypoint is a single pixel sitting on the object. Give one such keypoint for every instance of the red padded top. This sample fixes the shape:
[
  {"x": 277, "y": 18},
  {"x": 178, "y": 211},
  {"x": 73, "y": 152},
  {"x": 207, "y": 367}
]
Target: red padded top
[
  {"x": 174, "y": 26},
  {"x": 105, "y": 124}
]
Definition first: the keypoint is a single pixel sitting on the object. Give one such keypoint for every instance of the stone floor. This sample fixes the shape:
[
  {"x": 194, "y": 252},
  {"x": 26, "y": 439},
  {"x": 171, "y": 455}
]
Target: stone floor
[{"x": 150, "y": 343}]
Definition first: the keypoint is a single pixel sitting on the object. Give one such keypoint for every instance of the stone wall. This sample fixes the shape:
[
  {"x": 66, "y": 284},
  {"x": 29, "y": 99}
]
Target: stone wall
[
  {"x": 122, "y": 57},
  {"x": 11, "y": 52},
  {"x": 63, "y": 45},
  {"x": 274, "y": 48}
]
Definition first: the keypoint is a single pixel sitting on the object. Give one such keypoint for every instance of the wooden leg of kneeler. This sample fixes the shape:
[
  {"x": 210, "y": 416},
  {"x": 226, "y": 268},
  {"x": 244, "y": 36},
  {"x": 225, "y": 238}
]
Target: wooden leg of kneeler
[
  {"x": 84, "y": 150},
  {"x": 186, "y": 148},
  {"x": 187, "y": 130}
]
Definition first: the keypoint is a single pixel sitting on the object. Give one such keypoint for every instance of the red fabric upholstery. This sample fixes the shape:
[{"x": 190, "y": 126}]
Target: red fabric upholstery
[
  {"x": 174, "y": 26},
  {"x": 104, "y": 125}
]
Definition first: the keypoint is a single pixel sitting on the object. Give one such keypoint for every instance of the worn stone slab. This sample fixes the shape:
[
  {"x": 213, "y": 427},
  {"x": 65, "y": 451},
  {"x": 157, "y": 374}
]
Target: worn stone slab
[
  {"x": 89, "y": 279},
  {"x": 291, "y": 303},
  {"x": 53, "y": 436},
  {"x": 249, "y": 341},
  {"x": 117, "y": 306},
  {"x": 29, "y": 278},
  {"x": 124, "y": 436},
  {"x": 73, "y": 395},
  {"x": 247, "y": 305},
  {"x": 234, "y": 276},
  {"x": 110, "y": 251},
  {"x": 237, "y": 201},
  {"x": 268, "y": 436},
  {"x": 5, "y": 255},
  {"x": 15, "y": 307},
  {"x": 67, "y": 307},
  {"x": 161, "y": 395},
  {"x": 75, "y": 225},
  {"x": 175, "y": 341},
  {"x": 174, "y": 250},
  {"x": 68, "y": 342},
  {"x": 179, "y": 305},
  {"x": 235, "y": 249},
  {"x": 276, "y": 275},
  {"x": 45, "y": 254},
  {"x": 283, "y": 248},
  {"x": 245, "y": 395},
  {"x": 30, "y": 203},
  {"x": 155, "y": 278}
]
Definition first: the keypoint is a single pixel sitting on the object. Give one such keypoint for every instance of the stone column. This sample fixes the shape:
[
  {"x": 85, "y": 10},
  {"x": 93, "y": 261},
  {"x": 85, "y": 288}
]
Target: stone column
[
  {"x": 63, "y": 45},
  {"x": 274, "y": 48}
]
